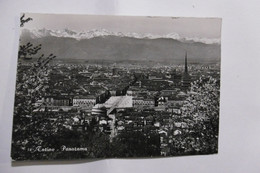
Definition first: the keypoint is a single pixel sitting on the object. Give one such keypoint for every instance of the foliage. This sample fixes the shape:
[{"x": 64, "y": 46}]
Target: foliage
[
  {"x": 29, "y": 88},
  {"x": 24, "y": 20},
  {"x": 201, "y": 112},
  {"x": 27, "y": 50}
]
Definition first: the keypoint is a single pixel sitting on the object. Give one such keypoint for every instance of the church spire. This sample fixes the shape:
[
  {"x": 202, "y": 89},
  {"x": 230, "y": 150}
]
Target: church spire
[{"x": 186, "y": 66}]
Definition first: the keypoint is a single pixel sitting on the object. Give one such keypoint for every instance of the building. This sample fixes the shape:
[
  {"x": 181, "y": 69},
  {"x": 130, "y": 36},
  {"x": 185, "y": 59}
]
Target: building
[
  {"x": 143, "y": 103},
  {"x": 57, "y": 100},
  {"x": 186, "y": 79},
  {"x": 169, "y": 92},
  {"x": 84, "y": 101}
]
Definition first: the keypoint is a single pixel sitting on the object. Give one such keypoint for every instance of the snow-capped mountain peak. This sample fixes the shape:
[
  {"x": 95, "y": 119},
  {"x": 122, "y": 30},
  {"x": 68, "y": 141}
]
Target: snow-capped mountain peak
[{"x": 39, "y": 33}]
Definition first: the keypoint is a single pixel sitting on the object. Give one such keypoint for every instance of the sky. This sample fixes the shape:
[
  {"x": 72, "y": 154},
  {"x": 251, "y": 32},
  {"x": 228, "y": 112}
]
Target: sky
[{"x": 209, "y": 28}]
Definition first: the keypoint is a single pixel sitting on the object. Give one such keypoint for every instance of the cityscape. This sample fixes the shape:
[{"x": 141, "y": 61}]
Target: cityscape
[{"x": 112, "y": 107}]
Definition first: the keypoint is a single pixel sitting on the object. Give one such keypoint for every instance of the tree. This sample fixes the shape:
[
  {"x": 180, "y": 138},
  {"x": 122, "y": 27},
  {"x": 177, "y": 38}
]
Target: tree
[
  {"x": 201, "y": 112},
  {"x": 28, "y": 50},
  {"x": 30, "y": 86},
  {"x": 23, "y": 20}
]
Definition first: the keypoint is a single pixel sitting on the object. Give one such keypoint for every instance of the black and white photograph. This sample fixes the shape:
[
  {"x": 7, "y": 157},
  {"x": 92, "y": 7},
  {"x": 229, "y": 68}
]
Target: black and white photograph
[{"x": 103, "y": 86}]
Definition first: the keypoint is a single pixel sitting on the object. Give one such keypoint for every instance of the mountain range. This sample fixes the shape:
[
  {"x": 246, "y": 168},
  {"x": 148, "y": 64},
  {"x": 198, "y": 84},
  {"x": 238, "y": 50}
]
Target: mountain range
[{"x": 117, "y": 46}]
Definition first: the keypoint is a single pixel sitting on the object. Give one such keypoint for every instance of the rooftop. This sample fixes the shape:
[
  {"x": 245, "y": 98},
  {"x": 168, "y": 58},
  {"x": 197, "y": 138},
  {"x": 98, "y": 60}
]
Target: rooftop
[{"x": 119, "y": 102}]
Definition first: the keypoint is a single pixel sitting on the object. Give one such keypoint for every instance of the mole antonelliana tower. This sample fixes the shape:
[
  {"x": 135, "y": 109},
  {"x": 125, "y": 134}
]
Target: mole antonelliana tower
[{"x": 186, "y": 79}]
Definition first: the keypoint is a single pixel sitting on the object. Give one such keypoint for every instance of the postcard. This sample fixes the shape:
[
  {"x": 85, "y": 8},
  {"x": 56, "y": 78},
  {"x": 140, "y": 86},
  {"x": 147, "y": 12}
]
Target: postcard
[{"x": 92, "y": 86}]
